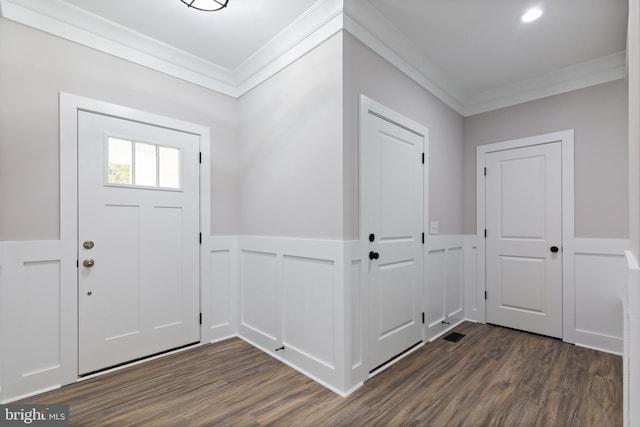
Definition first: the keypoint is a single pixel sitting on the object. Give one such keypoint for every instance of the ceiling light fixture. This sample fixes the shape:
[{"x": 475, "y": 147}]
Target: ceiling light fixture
[
  {"x": 532, "y": 14},
  {"x": 206, "y": 5}
]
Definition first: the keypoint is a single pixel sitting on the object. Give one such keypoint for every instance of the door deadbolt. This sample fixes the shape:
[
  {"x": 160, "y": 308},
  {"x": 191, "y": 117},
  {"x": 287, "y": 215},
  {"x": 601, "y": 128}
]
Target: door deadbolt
[
  {"x": 87, "y": 244},
  {"x": 88, "y": 263}
]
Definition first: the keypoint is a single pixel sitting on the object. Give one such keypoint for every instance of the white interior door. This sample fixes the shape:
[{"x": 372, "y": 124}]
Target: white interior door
[
  {"x": 392, "y": 200},
  {"x": 524, "y": 238},
  {"x": 138, "y": 249}
]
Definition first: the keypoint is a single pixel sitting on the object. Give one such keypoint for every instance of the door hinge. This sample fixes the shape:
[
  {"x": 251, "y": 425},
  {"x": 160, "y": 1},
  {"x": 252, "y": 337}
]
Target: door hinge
[
  {"x": 200, "y": 158},
  {"x": 200, "y": 318},
  {"x": 423, "y": 237},
  {"x": 200, "y": 238},
  {"x": 423, "y": 158},
  {"x": 423, "y": 317},
  {"x": 485, "y": 233},
  {"x": 485, "y": 171},
  {"x": 485, "y": 295}
]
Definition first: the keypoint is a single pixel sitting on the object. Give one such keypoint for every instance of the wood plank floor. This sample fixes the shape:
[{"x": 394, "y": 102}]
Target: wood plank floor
[{"x": 492, "y": 377}]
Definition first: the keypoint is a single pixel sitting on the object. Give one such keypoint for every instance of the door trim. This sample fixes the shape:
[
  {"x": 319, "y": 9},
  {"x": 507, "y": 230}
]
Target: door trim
[
  {"x": 70, "y": 105},
  {"x": 370, "y": 106},
  {"x": 568, "y": 295}
]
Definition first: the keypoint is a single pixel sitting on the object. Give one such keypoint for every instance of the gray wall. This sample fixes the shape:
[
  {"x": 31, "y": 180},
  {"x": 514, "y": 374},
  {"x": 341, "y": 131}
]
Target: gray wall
[
  {"x": 291, "y": 149},
  {"x": 34, "y": 68},
  {"x": 368, "y": 73},
  {"x": 598, "y": 115}
]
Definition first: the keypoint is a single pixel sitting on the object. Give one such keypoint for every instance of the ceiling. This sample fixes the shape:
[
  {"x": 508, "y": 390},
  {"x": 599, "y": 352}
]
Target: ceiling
[{"x": 465, "y": 51}]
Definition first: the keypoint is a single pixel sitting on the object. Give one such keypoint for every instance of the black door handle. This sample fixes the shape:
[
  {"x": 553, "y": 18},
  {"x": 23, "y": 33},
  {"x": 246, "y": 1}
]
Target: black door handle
[
  {"x": 554, "y": 249},
  {"x": 374, "y": 255}
]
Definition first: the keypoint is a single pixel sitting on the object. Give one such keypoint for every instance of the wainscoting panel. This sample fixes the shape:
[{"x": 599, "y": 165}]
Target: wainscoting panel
[
  {"x": 599, "y": 277},
  {"x": 293, "y": 295},
  {"x": 474, "y": 305},
  {"x": 260, "y": 302},
  {"x": 38, "y": 309},
  {"x": 219, "y": 280},
  {"x": 309, "y": 308},
  {"x": 444, "y": 284},
  {"x": 631, "y": 356},
  {"x": 356, "y": 298}
]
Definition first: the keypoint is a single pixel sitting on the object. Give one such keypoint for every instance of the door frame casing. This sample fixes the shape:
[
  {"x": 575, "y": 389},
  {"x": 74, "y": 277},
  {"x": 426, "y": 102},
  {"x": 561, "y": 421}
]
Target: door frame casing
[
  {"x": 568, "y": 295},
  {"x": 367, "y": 106},
  {"x": 70, "y": 105}
]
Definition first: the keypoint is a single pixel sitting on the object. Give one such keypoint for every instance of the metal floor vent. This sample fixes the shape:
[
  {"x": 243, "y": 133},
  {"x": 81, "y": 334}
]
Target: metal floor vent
[{"x": 454, "y": 337}]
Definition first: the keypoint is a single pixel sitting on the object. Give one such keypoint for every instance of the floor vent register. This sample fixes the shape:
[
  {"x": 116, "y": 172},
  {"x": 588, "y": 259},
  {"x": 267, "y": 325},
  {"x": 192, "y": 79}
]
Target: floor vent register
[{"x": 454, "y": 337}]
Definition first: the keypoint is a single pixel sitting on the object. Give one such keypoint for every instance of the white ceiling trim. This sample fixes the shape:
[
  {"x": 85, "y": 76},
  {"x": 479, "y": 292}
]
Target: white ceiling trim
[
  {"x": 320, "y": 22},
  {"x": 407, "y": 68},
  {"x": 64, "y": 20},
  {"x": 72, "y": 23},
  {"x": 311, "y": 28},
  {"x": 382, "y": 36},
  {"x": 590, "y": 73},
  {"x": 374, "y": 30}
]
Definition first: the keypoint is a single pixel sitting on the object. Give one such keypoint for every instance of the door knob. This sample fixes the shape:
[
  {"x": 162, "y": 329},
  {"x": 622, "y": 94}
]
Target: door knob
[
  {"x": 554, "y": 249},
  {"x": 374, "y": 255},
  {"x": 88, "y": 263}
]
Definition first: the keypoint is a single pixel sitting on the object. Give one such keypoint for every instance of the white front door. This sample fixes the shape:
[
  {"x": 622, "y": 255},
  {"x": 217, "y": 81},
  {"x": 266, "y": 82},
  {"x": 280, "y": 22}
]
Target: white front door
[
  {"x": 524, "y": 238},
  {"x": 392, "y": 200},
  {"x": 138, "y": 249}
]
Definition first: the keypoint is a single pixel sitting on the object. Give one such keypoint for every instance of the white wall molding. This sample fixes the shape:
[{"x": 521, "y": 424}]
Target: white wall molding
[
  {"x": 318, "y": 306},
  {"x": 77, "y": 25},
  {"x": 598, "y": 288},
  {"x": 319, "y": 23},
  {"x": 295, "y": 293},
  {"x": 367, "y": 24},
  {"x": 475, "y": 306},
  {"x": 67, "y": 21},
  {"x": 218, "y": 290},
  {"x": 312, "y": 28},
  {"x": 590, "y": 73},
  {"x": 376, "y": 32},
  {"x": 444, "y": 299},
  {"x": 37, "y": 342},
  {"x": 631, "y": 354}
]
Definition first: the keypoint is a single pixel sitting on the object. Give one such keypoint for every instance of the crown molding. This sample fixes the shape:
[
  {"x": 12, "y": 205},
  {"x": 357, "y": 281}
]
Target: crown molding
[
  {"x": 67, "y": 21},
  {"x": 324, "y": 19},
  {"x": 77, "y": 25},
  {"x": 373, "y": 29},
  {"x": 377, "y": 32},
  {"x": 320, "y": 22},
  {"x": 602, "y": 70}
]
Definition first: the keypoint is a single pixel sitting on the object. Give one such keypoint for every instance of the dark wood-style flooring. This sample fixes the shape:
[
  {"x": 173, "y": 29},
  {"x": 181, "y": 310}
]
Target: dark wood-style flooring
[{"x": 492, "y": 377}]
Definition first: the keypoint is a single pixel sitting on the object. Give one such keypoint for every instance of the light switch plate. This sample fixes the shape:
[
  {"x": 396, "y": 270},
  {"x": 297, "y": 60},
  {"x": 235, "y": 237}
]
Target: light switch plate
[{"x": 433, "y": 229}]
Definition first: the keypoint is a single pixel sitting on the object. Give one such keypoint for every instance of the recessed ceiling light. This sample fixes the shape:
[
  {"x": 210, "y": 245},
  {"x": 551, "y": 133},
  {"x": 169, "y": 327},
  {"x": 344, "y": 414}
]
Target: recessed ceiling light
[{"x": 532, "y": 14}]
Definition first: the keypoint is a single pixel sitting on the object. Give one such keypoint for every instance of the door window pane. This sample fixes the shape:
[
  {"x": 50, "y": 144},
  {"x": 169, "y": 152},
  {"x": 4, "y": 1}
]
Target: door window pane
[
  {"x": 119, "y": 159},
  {"x": 169, "y": 161},
  {"x": 142, "y": 164},
  {"x": 145, "y": 165}
]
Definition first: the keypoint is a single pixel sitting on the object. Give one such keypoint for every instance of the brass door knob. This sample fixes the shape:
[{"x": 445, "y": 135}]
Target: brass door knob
[{"x": 88, "y": 263}]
